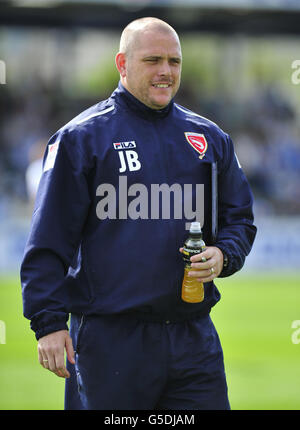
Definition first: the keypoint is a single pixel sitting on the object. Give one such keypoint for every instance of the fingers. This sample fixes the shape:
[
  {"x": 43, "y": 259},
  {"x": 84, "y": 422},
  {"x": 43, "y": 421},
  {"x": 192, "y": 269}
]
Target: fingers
[
  {"x": 54, "y": 361},
  {"x": 203, "y": 275},
  {"x": 59, "y": 367},
  {"x": 70, "y": 350},
  {"x": 207, "y": 265},
  {"x": 43, "y": 360},
  {"x": 207, "y": 254},
  {"x": 51, "y": 352}
]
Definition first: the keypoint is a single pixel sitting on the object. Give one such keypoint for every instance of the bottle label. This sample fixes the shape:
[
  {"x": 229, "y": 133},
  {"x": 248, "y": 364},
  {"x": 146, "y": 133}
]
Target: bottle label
[{"x": 189, "y": 252}]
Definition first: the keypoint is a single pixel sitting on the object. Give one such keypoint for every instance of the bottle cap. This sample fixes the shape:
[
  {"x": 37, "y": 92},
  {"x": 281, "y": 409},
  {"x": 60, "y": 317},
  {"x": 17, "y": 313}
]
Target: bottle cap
[{"x": 195, "y": 227}]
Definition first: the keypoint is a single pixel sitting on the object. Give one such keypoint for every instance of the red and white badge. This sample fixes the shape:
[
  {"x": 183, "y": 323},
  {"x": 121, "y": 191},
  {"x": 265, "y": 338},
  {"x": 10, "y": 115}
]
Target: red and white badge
[
  {"x": 197, "y": 141},
  {"x": 51, "y": 156}
]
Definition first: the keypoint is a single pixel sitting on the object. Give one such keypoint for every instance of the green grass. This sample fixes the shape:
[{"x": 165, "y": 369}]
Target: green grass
[
  {"x": 24, "y": 384},
  {"x": 253, "y": 319}
]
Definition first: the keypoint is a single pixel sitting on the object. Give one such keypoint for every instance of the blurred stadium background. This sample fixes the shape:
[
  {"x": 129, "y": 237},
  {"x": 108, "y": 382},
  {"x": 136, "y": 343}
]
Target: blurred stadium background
[{"x": 239, "y": 70}]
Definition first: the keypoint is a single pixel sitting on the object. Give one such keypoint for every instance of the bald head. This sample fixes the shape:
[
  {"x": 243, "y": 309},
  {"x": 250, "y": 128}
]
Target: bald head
[
  {"x": 132, "y": 33},
  {"x": 149, "y": 61}
]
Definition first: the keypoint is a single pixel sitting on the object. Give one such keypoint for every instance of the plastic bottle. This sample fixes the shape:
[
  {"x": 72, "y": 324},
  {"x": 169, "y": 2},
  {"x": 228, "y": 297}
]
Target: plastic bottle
[{"x": 192, "y": 290}]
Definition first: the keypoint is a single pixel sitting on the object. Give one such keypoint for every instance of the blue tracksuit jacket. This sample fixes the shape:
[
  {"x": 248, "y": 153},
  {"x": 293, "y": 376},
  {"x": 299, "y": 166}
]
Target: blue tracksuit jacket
[{"x": 105, "y": 238}]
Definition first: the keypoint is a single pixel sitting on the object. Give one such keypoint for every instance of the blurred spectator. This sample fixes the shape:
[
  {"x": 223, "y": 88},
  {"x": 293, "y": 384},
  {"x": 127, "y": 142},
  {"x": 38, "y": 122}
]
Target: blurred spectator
[
  {"x": 34, "y": 169},
  {"x": 264, "y": 128}
]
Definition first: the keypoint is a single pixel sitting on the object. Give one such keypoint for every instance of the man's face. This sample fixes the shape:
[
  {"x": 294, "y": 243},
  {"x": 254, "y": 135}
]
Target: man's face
[{"x": 153, "y": 68}]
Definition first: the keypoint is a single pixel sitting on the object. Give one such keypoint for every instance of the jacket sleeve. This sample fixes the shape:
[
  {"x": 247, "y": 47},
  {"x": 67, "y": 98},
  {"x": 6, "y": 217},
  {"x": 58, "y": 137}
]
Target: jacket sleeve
[
  {"x": 236, "y": 232},
  {"x": 61, "y": 207}
]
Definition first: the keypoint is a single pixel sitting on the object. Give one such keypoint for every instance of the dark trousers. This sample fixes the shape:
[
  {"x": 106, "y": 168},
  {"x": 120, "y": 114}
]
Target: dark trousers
[{"x": 125, "y": 363}]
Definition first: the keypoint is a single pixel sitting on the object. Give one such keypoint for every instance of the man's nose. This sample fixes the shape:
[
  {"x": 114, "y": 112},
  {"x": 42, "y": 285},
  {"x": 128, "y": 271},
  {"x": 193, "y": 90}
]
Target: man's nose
[{"x": 164, "y": 69}]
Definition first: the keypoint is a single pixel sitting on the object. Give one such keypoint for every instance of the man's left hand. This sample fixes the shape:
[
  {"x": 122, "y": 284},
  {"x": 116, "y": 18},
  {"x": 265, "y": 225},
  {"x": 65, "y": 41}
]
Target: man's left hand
[{"x": 207, "y": 265}]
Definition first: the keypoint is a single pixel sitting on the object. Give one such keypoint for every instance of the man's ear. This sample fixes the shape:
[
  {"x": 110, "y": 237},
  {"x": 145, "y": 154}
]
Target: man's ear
[{"x": 121, "y": 64}]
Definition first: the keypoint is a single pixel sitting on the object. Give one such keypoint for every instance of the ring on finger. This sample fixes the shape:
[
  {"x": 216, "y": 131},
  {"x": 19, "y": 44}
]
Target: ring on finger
[
  {"x": 45, "y": 363},
  {"x": 212, "y": 270}
]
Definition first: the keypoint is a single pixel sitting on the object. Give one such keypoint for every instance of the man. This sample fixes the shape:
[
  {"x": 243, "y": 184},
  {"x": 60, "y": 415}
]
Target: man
[{"x": 111, "y": 215}]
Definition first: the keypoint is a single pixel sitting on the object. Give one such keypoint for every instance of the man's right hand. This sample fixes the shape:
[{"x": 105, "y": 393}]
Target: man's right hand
[{"x": 51, "y": 351}]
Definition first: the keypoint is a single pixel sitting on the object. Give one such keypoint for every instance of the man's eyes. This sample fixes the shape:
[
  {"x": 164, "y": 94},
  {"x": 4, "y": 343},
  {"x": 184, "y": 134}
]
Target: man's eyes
[
  {"x": 151, "y": 60},
  {"x": 156, "y": 60}
]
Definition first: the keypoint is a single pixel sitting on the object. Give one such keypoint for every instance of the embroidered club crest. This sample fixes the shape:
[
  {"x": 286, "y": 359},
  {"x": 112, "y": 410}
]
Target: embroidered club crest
[{"x": 198, "y": 142}]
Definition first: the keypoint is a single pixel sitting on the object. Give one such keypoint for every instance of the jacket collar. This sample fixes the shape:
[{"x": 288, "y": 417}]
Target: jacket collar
[{"x": 124, "y": 97}]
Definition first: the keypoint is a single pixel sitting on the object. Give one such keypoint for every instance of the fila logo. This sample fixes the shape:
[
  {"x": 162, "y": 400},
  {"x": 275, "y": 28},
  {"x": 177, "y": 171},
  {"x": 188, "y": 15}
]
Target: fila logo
[{"x": 125, "y": 145}]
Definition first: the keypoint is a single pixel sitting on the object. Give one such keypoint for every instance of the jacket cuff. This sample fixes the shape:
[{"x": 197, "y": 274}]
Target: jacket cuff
[
  {"x": 49, "y": 322},
  {"x": 230, "y": 268},
  {"x": 50, "y": 329}
]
